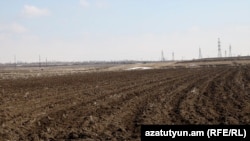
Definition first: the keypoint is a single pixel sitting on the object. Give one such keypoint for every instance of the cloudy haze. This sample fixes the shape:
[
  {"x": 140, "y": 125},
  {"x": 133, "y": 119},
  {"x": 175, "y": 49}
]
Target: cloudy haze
[{"x": 83, "y": 30}]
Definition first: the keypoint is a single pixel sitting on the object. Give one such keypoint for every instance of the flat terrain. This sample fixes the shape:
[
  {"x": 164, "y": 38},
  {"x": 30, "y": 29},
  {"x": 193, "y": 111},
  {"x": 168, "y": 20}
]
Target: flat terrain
[{"x": 111, "y": 105}]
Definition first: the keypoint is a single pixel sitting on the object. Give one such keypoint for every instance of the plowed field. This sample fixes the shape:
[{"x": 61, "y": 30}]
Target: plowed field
[{"x": 113, "y": 105}]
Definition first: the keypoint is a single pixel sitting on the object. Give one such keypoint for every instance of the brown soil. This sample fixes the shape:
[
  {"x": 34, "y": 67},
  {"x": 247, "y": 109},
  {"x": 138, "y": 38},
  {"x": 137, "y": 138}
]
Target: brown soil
[{"x": 113, "y": 105}]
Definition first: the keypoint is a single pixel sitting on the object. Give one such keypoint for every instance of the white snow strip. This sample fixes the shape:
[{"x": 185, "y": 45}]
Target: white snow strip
[{"x": 139, "y": 68}]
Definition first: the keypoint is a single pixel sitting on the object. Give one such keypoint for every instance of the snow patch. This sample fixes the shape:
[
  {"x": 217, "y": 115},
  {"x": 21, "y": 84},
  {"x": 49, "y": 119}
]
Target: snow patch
[{"x": 139, "y": 68}]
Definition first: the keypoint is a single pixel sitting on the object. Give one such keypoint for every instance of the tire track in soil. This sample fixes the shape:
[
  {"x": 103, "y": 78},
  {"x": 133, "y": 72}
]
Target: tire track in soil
[
  {"x": 197, "y": 108},
  {"x": 216, "y": 98},
  {"x": 239, "y": 98},
  {"x": 152, "y": 112},
  {"x": 171, "y": 101},
  {"x": 218, "y": 95},
  {"x": 160, "y": 100},
  {"x": 152, "y": 109}
]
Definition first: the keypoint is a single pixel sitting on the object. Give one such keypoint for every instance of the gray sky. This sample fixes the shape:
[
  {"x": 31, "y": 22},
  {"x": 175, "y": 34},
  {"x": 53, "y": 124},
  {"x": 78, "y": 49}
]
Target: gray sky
[{"x": 83, "y": 30}]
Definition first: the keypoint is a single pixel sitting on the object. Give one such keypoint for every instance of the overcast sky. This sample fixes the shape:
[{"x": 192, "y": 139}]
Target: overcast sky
[{"x": 82, "y": 30}]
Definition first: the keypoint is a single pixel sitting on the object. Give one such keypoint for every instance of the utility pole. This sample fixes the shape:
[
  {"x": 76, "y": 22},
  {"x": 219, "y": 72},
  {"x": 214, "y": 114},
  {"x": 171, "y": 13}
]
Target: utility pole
[
  {"x": 172, "y": 56},
  {"x": 162, "y": 56},
  {"x": 15, "y": 63},
  {"x": 39, "y": 61},
  {"x": 219, "y": 48},
  {"x": 225, "y": 53},
  {"x": 230, "y": 51},
  {"x": 200, "y": 55},
  {"x": 46, "y": 62}
]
